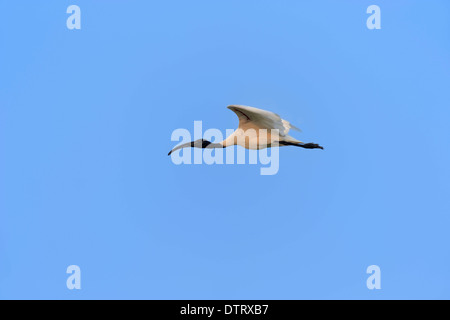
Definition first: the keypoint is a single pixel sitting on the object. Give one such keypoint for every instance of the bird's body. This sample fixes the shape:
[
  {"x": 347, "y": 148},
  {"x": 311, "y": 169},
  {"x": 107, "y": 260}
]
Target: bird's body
[
  {"x": 252, "y": 121},
  {"x": 258, "y": 129}
]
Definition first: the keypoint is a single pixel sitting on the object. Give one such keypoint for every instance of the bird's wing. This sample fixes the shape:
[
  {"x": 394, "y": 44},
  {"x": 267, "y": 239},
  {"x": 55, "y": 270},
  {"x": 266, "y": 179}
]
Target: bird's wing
[{"x": 262, "y": 118}]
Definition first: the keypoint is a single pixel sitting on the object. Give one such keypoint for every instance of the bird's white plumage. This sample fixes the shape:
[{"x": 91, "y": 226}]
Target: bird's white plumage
[
  {"x": 262, "y": 119},
  {"x": 255, "y": 132}
]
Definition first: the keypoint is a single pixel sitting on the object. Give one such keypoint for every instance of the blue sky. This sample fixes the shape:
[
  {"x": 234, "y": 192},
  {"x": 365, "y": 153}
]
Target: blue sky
[{"x": 85, "y": 123}]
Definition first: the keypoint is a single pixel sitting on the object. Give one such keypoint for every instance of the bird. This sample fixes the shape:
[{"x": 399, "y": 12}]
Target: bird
[{"x": 249, "y": 135}]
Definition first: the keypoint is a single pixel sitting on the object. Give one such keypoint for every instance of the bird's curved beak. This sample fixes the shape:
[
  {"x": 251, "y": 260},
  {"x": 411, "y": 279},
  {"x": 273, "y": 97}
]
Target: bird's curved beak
[{"x": 181, "y": 146}]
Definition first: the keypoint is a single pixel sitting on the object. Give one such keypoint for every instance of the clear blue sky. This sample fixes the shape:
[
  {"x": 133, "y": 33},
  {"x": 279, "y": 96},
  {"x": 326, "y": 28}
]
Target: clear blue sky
[{"x": 85, "y": 123}]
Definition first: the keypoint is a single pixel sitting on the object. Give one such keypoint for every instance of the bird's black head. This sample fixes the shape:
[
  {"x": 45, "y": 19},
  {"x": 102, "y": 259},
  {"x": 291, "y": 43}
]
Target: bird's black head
[{"x": 201, "y": 143}]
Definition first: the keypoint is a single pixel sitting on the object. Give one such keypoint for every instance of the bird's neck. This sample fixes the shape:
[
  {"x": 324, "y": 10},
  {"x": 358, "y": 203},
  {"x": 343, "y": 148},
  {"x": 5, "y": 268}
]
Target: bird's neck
[
  {"x": 229, "y": 141},
  {"x": 215, "y": 145}
]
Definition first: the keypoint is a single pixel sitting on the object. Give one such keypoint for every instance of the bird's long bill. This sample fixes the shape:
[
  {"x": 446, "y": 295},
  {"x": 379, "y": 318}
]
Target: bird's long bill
[{"x": 181, "y": 146}]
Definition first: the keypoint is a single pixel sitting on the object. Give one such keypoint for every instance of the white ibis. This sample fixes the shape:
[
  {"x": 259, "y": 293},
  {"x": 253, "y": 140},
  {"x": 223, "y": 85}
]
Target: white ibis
[{"x": 249, "y": 134}]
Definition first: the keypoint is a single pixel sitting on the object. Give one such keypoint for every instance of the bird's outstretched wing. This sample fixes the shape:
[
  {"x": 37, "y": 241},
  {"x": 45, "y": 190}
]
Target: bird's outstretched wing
[{"x": 262, "y": 118}]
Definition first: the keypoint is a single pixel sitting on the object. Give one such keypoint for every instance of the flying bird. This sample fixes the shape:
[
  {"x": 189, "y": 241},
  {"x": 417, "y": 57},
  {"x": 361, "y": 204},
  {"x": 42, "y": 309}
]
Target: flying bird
[{"x": 249, "y": 135}]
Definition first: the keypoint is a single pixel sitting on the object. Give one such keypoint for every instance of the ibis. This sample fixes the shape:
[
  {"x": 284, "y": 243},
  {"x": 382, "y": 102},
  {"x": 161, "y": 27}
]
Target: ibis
[{"x": 258, "y": 129}]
